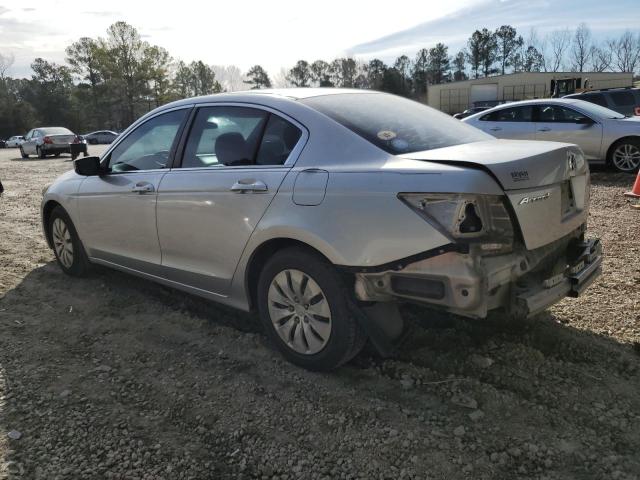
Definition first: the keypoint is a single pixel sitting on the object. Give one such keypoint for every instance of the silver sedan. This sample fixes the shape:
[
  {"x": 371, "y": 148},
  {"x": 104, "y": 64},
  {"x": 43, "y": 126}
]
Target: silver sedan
[
  {"x": 322, "y": 209},
  {"x": 605, "y": 136}
]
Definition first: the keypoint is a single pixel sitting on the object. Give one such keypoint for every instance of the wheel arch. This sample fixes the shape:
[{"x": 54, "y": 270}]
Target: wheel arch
[
  {"x": 262, "y": 254},
  {"x": 615, "y": 143},
  {"x": 46, "y": 215}
]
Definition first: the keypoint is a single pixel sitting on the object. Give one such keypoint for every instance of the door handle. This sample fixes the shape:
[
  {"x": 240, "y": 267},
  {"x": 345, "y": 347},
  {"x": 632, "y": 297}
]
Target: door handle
[
  {"x": 544, "y": 129},
  {"x": 142, "y": 188},
  {"x": 244, "y": 186},
  {"x": 495, "y": 129}
]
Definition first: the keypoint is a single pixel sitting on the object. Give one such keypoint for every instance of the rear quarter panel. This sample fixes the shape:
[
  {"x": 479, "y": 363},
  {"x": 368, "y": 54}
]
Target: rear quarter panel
[{"x": 361, "y": 222}]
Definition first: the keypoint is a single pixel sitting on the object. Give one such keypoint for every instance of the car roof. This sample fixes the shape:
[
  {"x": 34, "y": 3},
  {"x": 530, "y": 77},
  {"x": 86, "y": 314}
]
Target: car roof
[
  {"x": 282, "y": 93},
  {"x": 558, "y": 101},
  {"x": 538, "y": 101},
  {"x": 603, "y": 91}
]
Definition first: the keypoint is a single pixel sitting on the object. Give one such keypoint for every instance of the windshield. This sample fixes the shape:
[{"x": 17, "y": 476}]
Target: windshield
[
  {"x": 597, "y": 110},
  {"x": 395, "y": 124},
  {"x": 56, "y": 131}
]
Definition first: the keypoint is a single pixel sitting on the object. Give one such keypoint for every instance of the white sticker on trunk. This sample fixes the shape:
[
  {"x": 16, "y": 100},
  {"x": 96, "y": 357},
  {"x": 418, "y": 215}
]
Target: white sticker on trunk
[{"x": 386, "y": 135}]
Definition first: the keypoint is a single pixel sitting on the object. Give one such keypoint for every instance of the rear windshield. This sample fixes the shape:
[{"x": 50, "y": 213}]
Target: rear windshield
[
  {"x": 56, "y": 131},
  {"x": 395, "y": 124}
]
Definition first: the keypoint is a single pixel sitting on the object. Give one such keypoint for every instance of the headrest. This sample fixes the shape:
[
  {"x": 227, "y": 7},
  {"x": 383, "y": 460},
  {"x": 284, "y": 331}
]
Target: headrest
[{"x": 231, "y": 149}]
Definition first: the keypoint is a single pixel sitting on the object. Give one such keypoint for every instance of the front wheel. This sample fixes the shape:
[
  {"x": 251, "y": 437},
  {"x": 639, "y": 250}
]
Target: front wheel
[
  {"x": 22, "y": 154},
  {"x": 625, "y": 156},
  {"x": 304, "y": 311},
  {"x": 67, "y": 246}
]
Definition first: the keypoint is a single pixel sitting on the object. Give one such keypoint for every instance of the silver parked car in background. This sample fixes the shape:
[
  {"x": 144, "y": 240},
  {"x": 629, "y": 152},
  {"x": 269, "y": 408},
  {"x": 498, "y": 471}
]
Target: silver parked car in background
[
  {"x": 15, "y": 141},
  {"x": 100, "y": 136},
  {"x": 45, "y": 141},
  {"x": 324, "y": 208},
  {"x": 603, "y": 135}
]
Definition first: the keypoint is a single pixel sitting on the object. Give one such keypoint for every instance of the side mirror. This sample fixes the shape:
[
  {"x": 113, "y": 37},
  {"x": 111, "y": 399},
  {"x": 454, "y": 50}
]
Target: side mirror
[
  {"x": 584, "y": 121},
  {"x": 87, "y": 166}
]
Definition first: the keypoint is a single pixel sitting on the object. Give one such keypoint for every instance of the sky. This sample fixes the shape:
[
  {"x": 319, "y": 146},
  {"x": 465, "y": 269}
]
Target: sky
[{"x": 276, "y": 33}]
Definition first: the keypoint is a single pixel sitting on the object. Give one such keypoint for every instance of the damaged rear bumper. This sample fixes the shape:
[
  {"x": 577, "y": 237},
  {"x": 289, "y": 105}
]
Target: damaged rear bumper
[{"x": 521, "y": 283}]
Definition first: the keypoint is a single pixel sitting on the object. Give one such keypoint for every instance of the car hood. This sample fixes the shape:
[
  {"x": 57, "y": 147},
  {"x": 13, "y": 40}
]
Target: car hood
[
  {"x": 633, "y": 122},
  {"x": 516, "y": 164}
]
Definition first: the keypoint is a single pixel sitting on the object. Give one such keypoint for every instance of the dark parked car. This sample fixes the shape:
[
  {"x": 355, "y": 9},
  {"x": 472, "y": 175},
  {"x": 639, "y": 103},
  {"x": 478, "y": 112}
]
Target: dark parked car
[
  {"x": 3, "y": 143},
  {"x": 100, "y": 136},
  {"x": 469, "y": 111},
  {"x": 622, "y": 100}
]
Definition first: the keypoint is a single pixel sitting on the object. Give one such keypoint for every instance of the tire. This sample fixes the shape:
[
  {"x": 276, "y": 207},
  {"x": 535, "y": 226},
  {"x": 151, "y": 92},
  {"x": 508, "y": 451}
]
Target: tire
[
  {"x": 74, "y": 156},
  {"x": 40, "y": 153},
  {"x": 67, "y": 247},
  {"x": 317, "y": 332},
  {"x": 56, "y": 154},
  {"x": 624, "y": 156},
  {"x": 22, "y": 154}
]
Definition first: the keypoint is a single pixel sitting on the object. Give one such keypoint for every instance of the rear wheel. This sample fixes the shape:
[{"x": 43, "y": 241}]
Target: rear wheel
[
  {"x": 625, "y": 155},
  {"x": 67, "y": 246},
  {"x": 56, "y": 154},
  {"x": 304, "y": 311},
  {"x": 22, "y": 154}
]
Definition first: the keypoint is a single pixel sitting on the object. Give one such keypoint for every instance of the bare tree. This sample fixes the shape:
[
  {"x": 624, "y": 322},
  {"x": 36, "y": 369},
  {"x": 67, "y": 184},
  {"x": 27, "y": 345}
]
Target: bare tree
[
  {"x": 282, "y": 79},
  {"x": 600, "y": 58},
  {"x": 540, "y": 45},
  {"x": 230, "y": 76},
  {"x": 6, "y": 61},
  {"x": 558, "y": 43},
  {"x": 580, "y": 48},
  {"x": 626, "y": 52}
]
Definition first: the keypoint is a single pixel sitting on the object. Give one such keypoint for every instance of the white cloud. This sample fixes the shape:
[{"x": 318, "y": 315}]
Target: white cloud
[
  {"x": 273, "y": 34},
  {"x": 277, "y": 33}
]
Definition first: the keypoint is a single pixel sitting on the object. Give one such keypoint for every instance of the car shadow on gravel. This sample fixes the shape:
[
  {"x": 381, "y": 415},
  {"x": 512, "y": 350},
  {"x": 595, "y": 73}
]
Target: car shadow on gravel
[
  {"x": 35, "y": 158},
  {"x": 607, "y": 177},
  {"x": 117, "y": 377}
]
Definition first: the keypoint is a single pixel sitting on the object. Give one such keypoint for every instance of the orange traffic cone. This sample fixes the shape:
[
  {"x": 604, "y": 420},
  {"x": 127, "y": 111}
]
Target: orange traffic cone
[{"x": 635, "y": 191}]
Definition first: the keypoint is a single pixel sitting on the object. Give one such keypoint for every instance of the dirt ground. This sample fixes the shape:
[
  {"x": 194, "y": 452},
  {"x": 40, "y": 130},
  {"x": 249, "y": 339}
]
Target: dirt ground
[{"x": 116, "y": 377}]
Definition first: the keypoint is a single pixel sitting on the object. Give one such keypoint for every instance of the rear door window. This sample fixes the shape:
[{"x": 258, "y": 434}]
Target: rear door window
[
  {"x": 514, "y": 114},
  {"x": 596, "y": 98},
  {"x": 622, "y": 99},
  {"x": 239, "y": 136},
  {"x": 279, "y": 139},
  {"x": 224, "y": 136},
  {"x": 558, "y": 114}
]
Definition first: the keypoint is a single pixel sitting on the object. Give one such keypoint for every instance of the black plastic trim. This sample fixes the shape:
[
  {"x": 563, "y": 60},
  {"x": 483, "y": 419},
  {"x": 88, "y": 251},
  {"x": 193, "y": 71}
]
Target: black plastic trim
[{"x": 403, "y": 262}]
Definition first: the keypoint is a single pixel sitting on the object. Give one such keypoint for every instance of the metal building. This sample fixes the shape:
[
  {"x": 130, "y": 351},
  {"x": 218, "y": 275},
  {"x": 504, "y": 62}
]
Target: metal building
[{"x": 457, "y": 96}]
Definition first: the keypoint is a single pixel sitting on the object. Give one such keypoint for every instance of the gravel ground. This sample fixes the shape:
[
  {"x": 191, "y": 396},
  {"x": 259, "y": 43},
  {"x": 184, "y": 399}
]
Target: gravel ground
[{"x": 116, "y": 377}]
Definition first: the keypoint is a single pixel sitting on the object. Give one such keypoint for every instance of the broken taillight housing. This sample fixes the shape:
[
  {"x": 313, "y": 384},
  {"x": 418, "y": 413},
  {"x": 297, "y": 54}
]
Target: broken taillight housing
[{"x": 466, "y": 218}]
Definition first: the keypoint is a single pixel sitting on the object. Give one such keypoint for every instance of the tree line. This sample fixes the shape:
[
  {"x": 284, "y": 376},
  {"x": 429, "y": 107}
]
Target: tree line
[
  {"x": 107, "y": 82},
  {"x": 486, "y": 53}
]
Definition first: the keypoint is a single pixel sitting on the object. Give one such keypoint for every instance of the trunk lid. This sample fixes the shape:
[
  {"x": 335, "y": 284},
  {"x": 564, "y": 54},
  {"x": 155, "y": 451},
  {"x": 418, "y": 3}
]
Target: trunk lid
[
  {"x": 62, "y": 139},
  {"x": 546, "y": 183}
]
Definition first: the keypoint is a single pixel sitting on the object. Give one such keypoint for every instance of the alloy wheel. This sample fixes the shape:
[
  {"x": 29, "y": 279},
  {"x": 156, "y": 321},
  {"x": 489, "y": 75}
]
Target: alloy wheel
[
  {"x": 626, "y": 157},
  {"x": 299, "y": 311},
  {"x": 62, "y": 242}
]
